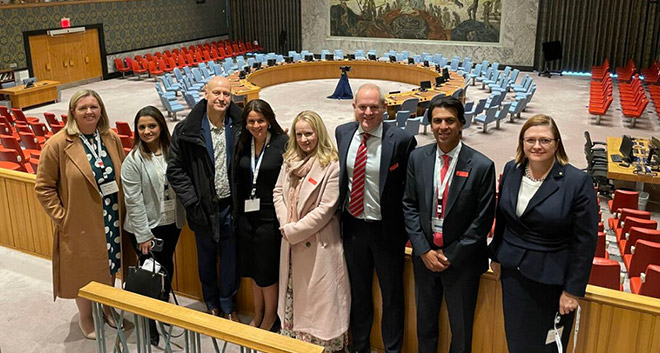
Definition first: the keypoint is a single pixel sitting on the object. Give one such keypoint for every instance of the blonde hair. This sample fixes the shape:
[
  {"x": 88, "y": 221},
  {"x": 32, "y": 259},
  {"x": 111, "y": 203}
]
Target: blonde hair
[
  {"x": 71, "y": 127},
  {"x": 325, "y": 151},
  {"x": 541, "y": 120}
]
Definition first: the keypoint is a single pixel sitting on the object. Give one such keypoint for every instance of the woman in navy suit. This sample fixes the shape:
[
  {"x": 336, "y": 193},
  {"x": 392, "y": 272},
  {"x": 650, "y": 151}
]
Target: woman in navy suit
[{"x": 545, "y": 239}]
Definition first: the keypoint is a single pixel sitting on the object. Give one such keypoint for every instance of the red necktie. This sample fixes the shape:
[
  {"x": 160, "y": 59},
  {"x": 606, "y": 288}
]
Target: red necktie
[
  {"x": 437, "y": 237},
  {"x": 356, "y": 206}
]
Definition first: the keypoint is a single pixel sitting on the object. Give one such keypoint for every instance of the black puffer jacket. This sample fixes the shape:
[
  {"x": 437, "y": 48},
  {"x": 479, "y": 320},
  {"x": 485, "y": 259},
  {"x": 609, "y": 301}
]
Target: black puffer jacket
[{"x": 191, "y": 171}]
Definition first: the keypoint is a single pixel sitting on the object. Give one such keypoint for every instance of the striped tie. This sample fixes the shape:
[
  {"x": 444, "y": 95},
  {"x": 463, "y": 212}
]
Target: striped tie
[{"x": 356, "y": 206}]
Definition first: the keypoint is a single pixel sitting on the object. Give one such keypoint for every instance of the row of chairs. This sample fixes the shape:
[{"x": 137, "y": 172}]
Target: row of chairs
[
  {"x": 638, "y": 241},
  {"x": 193, "y": 55},
  {"x": 652, "y": 73},
  {"x": 599, "y": 72},
  {"x": 600, "y": 96},
  {"x": 626, "y": 73},
  {"x": 633, "y": 99}
]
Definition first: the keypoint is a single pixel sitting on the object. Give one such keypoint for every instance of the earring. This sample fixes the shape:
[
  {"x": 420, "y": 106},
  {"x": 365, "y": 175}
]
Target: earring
[{"x": 268, "y": 126}]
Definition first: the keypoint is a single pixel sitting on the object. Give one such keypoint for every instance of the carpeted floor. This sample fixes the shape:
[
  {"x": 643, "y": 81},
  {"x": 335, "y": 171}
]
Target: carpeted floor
[{"x": 31, "y": 322}]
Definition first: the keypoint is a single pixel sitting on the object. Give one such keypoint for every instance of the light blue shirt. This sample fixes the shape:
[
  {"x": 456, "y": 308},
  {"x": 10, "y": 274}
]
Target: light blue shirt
[{"x": 372, "y": 173}]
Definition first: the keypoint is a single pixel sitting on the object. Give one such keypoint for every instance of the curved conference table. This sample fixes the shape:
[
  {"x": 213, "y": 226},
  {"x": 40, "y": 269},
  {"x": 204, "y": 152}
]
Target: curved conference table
[{"x": 249, "y": 88}]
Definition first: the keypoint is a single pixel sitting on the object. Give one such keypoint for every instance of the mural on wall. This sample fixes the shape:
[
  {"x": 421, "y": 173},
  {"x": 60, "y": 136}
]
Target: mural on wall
[{"x": 452, "y": 20}]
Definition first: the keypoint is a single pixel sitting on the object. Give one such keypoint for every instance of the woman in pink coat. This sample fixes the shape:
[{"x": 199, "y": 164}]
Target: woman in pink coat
[{"x": 314, "y": 295}]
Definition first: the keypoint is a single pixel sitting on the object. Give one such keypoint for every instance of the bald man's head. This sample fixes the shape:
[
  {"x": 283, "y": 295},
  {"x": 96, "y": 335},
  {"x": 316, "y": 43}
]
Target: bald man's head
[{"x": 218, "y": 95}]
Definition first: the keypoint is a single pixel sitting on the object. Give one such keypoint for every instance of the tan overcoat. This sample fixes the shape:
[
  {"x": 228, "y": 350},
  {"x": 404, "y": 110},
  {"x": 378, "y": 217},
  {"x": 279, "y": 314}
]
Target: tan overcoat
[
  {"x": 321, "y": 290},
  {"x": 68, "y": 192}
]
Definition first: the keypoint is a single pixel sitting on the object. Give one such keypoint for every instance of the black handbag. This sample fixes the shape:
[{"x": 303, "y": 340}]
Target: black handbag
[{"x": 145, "y": 282}]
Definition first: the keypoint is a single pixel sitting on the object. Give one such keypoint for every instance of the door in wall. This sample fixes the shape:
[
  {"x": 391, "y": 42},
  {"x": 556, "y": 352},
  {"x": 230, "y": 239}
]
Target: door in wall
[{"x": 66, "y": 58}]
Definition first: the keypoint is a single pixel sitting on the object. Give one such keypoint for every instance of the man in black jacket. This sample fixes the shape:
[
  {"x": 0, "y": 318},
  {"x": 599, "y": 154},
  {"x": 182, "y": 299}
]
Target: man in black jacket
[{"x": 198, "y": 169}]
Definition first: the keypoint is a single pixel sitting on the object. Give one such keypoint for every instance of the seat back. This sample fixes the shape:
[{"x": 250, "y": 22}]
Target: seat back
[
  {"x": 601, "y": 245},
  {"x": 119, "y": 64},
  {"x": 651, "y": 285},
  {"x": 29, "y": 141},
  {"x": 39, "y": 129},
  {"x": 410, "y": 105},
  {"x": 605, "y": 273},
  {"x": 10, "y": 142},
  {"x": 51, "y": 119},
  {"x": 624, "y": 199},
  {"x": 503, "y": 113},
  {"x": 412, "y": 125},
  {"x": 126, "y": 141},
  {"x": 637, "y": 222},
  {"x": 124, "y": 129},
  {"x": 18, "y": 115},
  {"x": 637, "y": 233},
  {"x": 401, "y": 117},
  {"x": 646, "y": 253}
]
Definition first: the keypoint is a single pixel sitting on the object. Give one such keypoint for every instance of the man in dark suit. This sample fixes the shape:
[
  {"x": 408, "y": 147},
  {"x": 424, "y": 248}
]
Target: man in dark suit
[
  {"x": 449, "y": 206},
  {"x": 373, "y": 159}
]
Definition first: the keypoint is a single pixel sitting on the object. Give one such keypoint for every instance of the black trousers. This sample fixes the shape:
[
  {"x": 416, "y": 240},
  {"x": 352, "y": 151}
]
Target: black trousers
[
  {"x": 460, "y": 291},
  {"x": 365, "y": 249},
  {"x": 529, "y": 312}
]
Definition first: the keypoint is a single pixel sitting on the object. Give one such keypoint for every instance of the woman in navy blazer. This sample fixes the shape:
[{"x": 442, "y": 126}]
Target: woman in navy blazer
[{"x": 545, "y": 239}]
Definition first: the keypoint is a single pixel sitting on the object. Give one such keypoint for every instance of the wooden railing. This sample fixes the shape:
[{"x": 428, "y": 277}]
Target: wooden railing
[
  {"x": 195, "y": 321},
  {"x": 611, "y": 321},
  {"x": 37, "y": 3}
]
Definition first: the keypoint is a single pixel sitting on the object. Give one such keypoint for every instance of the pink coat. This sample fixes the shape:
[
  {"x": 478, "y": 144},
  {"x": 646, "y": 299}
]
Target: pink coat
[{"x": 321, "y": 291}]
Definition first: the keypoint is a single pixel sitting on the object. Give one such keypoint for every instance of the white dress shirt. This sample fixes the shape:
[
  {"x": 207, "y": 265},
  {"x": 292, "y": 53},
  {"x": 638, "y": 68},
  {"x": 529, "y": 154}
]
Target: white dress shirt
[
  {"x": 528, "y": 188},
  {"x": 439, "y": 162},
  {"x": 372, "y": 172}
]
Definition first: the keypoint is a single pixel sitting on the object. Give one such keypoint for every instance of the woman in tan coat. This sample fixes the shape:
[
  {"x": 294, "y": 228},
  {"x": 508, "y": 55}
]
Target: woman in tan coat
[
  {"x": 314, "y": 296},
  {"x": 79, "y": 187}
]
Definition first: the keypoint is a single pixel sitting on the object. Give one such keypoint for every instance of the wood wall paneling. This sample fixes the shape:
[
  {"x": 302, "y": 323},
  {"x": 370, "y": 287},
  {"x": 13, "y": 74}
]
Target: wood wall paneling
[{"x": 66, "y": 58}]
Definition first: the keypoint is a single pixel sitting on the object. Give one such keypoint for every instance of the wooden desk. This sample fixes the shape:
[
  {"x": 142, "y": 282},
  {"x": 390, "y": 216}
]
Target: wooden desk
[
  {"x": 617, "y": 172},
  {"x": 361, "y": 69},
  {"x": 42, "y": 92}
]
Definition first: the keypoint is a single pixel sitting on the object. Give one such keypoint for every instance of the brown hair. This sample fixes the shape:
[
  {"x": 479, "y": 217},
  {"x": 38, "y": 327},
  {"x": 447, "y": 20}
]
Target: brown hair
[
  {"x": 163, "y": 139},
  {"x": 541, "y": 120}
]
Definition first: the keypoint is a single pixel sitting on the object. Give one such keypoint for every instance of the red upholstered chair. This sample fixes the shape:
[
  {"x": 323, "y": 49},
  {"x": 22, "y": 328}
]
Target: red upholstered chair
[
  {"x": 30, "y": 142},
  {"x": 636, "y": 233},
  {"x": 605, "y": 273},
  {"x": 137, "y": 69},
  {"x": 198, "y": 57},
  {"x": 124, "y": 129},
  {"x": 126, "y": 142},
  {"x": 621, "y": 233},
  {"x": 623, "y": 199},
  {"x": 601, "y": 246},
  {"x": 51, "y": 120},
  {"x": 119, "y": 66},
  {"x": 64, "y": 118},
  {"x": 19, "y": 116},
  {"x": 164, "y": 65},
  {"x": 40, "y": 130},
  {"x": 9, "y": 159},
  {"x": 621, "y": 214},
  {"x": 56, "y": 128},
  {"x": 222, "y": 53},
  {"x": 4, "y": 111},
  {"x": 34, "y": 164},
  {"x": 154, "y": 71},
  {"x": 6, "y": 129},
  {"x": 9, "y": 142},
  {"x": 645, "y": 253},
  {"x": 648, "y": 283}
]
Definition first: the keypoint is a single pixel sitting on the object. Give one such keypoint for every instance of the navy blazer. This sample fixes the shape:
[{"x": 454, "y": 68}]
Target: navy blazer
[
  {"x": 396, "y": 147},
  {"x": 554, "y": 239},
  {"x": 470, "y": 207}
]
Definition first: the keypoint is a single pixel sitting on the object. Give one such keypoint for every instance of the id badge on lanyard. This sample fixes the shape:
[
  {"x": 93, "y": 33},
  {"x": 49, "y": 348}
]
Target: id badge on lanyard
[
  {"x": 253, "y": 204},
  {"x": 437, "y": 222}
]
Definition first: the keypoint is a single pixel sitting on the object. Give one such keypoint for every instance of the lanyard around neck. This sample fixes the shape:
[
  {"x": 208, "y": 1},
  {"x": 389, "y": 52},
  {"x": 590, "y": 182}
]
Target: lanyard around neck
[
  {"x": 255, "y": 163},
  {"x": 96, "y": 154}
]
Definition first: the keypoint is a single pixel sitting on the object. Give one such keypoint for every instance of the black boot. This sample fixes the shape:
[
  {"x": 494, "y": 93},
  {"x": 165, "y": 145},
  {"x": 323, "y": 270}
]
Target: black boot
[{"x": 153, "y": 332}]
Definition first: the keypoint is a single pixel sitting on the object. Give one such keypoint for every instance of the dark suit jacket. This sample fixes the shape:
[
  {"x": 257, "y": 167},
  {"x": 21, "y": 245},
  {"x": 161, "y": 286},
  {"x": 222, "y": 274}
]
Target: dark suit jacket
[
  {"x": 470, "y": 207},
  {"x": 554, "y": 239},
  {"x": 395, "y": 150}
]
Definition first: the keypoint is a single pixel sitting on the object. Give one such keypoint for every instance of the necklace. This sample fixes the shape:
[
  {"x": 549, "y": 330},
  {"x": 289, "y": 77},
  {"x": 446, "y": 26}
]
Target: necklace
[{"x": 528, "y": 175}]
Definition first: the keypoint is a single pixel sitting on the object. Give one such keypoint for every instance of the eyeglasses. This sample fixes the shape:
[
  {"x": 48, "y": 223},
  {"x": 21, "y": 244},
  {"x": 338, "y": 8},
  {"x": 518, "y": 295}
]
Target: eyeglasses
[
  {"x": 531, "y": 141},
  {"x": 373, "y": 108}
]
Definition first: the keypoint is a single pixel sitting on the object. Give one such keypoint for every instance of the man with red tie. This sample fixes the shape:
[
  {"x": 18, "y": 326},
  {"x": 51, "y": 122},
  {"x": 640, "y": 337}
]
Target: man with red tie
[
  {"x": 373, "y": 158},
  {"x": 449, "y": 206}
]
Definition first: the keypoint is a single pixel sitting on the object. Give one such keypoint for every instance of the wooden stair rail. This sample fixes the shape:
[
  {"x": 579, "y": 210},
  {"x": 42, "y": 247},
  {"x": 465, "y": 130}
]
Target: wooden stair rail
[{"x": 195, "y": 321}]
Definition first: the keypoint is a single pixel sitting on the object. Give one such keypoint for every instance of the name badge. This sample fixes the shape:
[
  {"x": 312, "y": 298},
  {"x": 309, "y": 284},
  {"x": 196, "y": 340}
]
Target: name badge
[
  {"x": 167, "y": 206},
  {"x": 109, "y": 188},
  {"x": 252, "y": 205},
  {"x": 436, "y": 224},
  {"x": 553, "y": 336}
]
